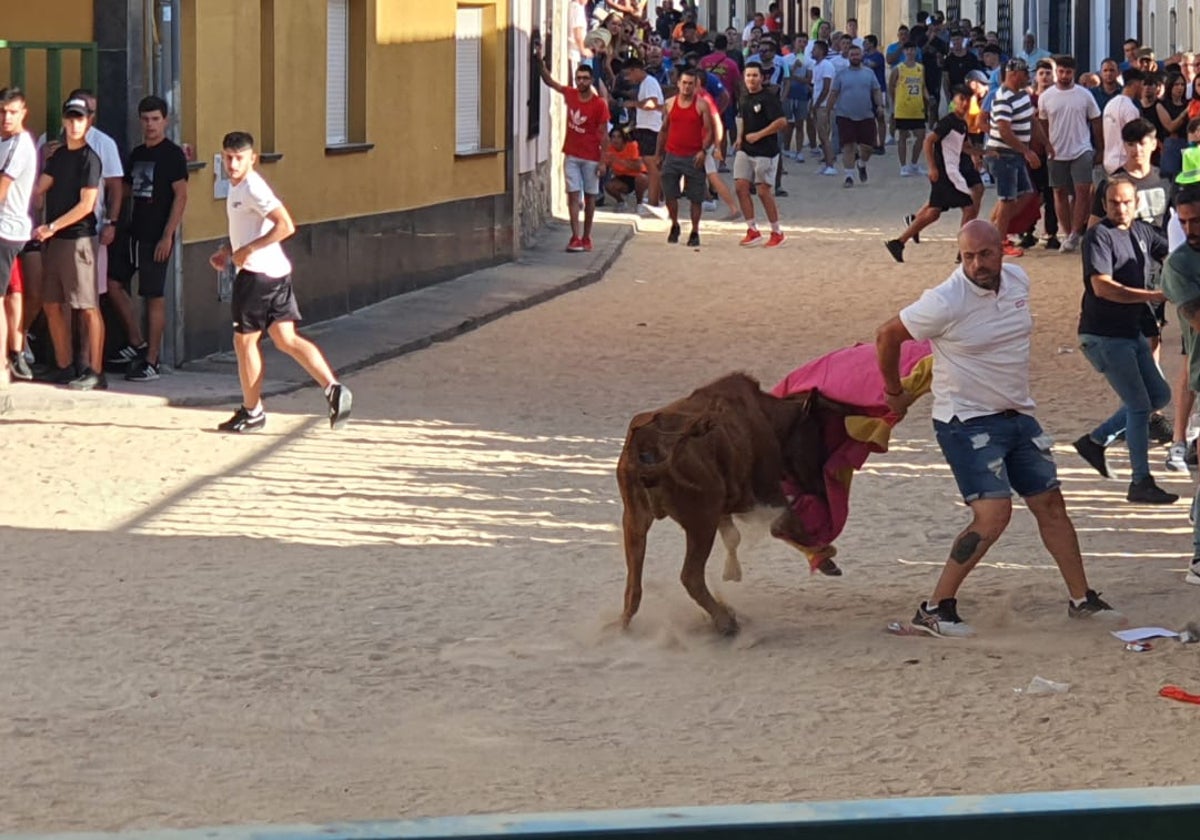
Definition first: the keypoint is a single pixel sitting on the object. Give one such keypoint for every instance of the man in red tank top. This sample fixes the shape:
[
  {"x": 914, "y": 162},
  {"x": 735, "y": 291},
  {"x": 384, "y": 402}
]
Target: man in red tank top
[
  {"x": 583, "y": 149},
  {"x": 688, "y": 131}
]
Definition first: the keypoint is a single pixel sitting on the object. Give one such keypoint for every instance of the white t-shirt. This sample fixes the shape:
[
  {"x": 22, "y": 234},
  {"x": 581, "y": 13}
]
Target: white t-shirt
[
  {"x": 576, "y": 19},
  {"x": 248, "y": 205},
  {"x": 1120, "y": 111},
  {"x": 981, "y": 344},
  {"x": 18, "y": 161},
  {"x": 839, "y": 63},
  {"x": 1069, "y": 114},
  {"x": 1175, "y": 234},
  {"x": 822, "y": 70},
  {"x": 649, "y": 120}
]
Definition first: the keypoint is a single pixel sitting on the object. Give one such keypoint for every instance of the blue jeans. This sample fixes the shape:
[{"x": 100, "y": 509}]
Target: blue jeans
[
  {"x": 1131, "y": 372},
  {"x": 1011, "y": 175},
  {"x": 994, "y": 455}
]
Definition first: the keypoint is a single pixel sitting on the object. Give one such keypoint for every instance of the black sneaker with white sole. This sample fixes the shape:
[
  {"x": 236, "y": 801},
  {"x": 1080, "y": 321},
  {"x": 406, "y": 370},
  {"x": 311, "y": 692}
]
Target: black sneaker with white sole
[
  {"x": 89, "y": 380},
  {"x": 1193, "y": 575},
  {"x": 862, "y": 173},
  {"x": 243, "y": 421},
  {"x": 693, "y": 240},
  {"x": 340, "y": 402},
  {"x": 1093, "y": 606},
  {"x": 126, "y": 354},
  {"x": 1093, "y": 453},
  {"x": 942, "y": 620},
  {"x": 673, "y": 234},
  {"x": 896, "y": 249},
  {"x": 18, "y": 366},
  {"x": 142, "y": 371}
]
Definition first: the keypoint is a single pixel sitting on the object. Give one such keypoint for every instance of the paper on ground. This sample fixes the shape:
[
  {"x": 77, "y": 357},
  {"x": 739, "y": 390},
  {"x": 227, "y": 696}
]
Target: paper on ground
[{"x": 1137, "y": 634}]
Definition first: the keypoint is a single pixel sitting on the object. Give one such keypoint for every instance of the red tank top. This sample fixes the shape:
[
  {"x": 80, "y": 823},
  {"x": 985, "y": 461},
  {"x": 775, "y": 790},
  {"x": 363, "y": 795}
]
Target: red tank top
[{"x": 685, "y": 135}]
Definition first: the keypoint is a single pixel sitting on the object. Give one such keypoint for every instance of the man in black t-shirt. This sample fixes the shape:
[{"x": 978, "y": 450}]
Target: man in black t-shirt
[
  {"x": 1116, "y": 263},
  {"x": 70, "y": 182},
  {"x": 958, "y": 64},
  {"x": 756, "y": 160},
  {"x": 157, "y": 177}
]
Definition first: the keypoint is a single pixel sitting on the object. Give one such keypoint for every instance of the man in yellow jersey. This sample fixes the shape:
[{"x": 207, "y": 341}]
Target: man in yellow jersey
[{"x": 906, "y": 88}]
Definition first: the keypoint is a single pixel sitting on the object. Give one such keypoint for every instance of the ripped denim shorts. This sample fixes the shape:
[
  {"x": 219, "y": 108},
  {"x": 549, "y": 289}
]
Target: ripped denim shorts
[{"x": 995, "y": 455}]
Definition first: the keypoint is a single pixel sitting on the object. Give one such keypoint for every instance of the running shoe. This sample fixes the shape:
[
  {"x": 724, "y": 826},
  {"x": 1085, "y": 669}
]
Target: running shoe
[
  {"x": 942, "y": 620},
  {"x": 1011, "y": 250},
  {"x": 340, "y": 402},
  {"x": 752, "y": 238},
  {"x": 862, "y": 173},
  {"x": 575, "y": 245},
  {"x": 243, "y": 421},
  {"x": 1147, "y": 492},
  {"x": 673, "y": 236},
  {"x": 586, "y": 242},
  {"x": 908, "y": 220},
  {"x": 1093, "y": 607},
  {"x": 1093, "y": 453},
  {"x": 896, "y": 249},
  {"x": 693, "y": 239},
  {"x": 142, "y": 371},
  {"x": 776, "y": 240},
  {"x": 1175, "y": 457},
  {"x": 1193, "y": 575},
  {"x": 849, "y": 182}
]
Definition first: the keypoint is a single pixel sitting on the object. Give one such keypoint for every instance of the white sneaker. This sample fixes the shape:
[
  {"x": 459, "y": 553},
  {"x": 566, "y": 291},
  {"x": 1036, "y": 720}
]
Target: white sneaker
[
  {"x": 710, "y": 206},
  {"x": 1071, "y": 243},
  {"x": 987, "y": 179},
  {"x": 798, "y": 157},
  {"x": 905, "y": 172},
  {"x": 829, "y": 170},
  {"x": 1175, "y": 457},
  {"x": 942, "y": 620},
  {"x": 1193, "y": 575}
]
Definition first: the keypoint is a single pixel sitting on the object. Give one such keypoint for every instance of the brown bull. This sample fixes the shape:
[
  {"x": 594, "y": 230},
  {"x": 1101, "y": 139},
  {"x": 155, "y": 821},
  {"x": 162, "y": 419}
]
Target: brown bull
[{"x": 722, "y": 450}]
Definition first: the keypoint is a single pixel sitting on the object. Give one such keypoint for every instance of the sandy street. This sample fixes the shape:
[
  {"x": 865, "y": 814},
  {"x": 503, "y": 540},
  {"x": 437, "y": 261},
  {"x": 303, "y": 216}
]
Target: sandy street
[{"x": 415, "y": 616}]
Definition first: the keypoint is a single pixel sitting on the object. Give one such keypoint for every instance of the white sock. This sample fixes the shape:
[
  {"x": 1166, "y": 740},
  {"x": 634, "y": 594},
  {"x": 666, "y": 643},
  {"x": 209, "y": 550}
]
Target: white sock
[
  {"x": 753, "y": 225},
  {"x": 849, "y": 173},
  {"x": 775, "y": 227},
  {"x": 257, "y": 410},
  {"x": 329, "y": 388}
]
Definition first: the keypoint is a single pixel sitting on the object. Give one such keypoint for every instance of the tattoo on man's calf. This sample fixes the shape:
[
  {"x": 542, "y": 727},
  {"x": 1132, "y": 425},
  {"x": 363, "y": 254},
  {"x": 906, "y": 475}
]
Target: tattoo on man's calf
[{"x": 965, "y": 546}]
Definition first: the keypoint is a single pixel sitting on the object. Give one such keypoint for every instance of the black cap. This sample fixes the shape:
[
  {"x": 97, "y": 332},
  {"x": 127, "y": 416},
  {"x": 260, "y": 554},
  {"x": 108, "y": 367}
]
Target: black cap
[{"x": 76, "y": 108}]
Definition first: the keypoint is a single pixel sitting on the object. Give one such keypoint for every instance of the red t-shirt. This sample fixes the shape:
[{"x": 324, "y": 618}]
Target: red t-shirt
[{"x": 587, "y": 123}]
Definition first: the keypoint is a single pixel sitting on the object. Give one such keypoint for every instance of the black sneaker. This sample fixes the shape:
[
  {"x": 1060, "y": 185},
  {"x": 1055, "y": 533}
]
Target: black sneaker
[
  {"x": 781, "y": 193},
  {"x": 1028, "y": 240},
  {"x": 127, "y": 354},
  {"x": 18, "y": 367},
  {"x": 1093, "y": 607},
  {"x": 1093, "y": 453},
  {"x": 1189, "y": 457},
  {"x": 1052, "y": 244},
  {"x": 142, "y": 371},
  {"x": 878, "y": 150},
  {"x": 89, "y": 380},
  {"x": 908, "y": 220},
  {"x": 896, "y": 249},
  {"x": 58, "y": 376},
  {"x": 1160, "y": 429},
  {"x": 693, "y": 239},
  {"x": 862, "y": 173},
  {"x": 943, "y": 620},
  {"x": 243, "y": 421},
  {"x": 1146, "y": 492},
  {"x": 673, "y": 236},
  {"x": 849, "y": 182},
  {"x": 340, "y": 401}
]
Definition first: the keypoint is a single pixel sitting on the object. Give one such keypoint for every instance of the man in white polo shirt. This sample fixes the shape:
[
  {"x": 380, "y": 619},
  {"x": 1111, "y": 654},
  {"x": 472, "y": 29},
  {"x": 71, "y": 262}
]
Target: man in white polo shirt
[{"x": 980, "y": 326}]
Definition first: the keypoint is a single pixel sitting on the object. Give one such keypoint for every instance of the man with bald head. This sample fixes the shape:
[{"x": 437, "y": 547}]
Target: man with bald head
[{"x": 980, "y": 326}]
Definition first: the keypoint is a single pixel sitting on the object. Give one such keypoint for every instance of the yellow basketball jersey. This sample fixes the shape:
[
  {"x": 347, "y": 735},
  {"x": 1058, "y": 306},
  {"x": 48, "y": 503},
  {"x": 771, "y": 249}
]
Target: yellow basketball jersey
[{"x": 910, "y": 92}]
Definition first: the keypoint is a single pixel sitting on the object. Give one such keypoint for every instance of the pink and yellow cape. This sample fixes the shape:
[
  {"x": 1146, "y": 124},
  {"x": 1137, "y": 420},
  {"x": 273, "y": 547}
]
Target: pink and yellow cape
[{"x": 851, "y": 376}]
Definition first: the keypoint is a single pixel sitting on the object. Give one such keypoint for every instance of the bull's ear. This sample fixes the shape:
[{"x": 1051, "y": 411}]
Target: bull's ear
[{"x": 644, "y": 418}]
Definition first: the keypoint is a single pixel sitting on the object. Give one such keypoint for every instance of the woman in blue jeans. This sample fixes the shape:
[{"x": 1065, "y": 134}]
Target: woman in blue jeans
[{"x": 1117, "y": 254}]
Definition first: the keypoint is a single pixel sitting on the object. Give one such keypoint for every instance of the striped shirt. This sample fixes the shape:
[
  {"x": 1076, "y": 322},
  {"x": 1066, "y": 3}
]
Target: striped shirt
[{"x": 1016, "y": 108}]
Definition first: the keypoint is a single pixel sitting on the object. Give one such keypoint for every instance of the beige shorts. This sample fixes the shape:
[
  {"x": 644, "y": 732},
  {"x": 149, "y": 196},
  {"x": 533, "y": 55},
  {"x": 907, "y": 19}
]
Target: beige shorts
[{"x": 69, "y": 272}]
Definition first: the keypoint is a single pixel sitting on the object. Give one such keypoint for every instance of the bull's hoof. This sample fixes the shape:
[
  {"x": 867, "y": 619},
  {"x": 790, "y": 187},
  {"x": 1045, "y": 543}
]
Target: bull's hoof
[
  {"x": 726, "y": 624},
  {"x": 828, "y": 567},
  {"x": 733, "y": 572}
]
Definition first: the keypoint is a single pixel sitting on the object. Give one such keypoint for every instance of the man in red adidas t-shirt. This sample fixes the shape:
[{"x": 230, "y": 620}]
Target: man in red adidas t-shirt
[{"x": 586, "y": 141}]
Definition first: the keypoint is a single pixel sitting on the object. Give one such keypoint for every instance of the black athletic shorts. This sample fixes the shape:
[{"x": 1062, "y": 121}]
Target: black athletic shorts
[
  {"x": 260, "y": 301},
  {"x": 127, "y": 257}
]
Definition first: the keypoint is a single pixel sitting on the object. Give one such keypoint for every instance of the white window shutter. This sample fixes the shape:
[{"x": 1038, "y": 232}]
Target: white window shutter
[
  {"x": 337, "y": 67},
  {"x": 467, "y": 69}
]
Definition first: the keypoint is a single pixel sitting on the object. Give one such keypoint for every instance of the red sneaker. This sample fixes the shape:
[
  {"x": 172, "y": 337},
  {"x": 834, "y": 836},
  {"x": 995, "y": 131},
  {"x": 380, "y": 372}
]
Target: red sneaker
[
  {"x": 576, "y": 244},
  {"x": 1011, "y": 250},
  {"x": 752, "y": 237},
  {"x": 586, "y": 242},
  {"x": 776, "y": 240}
]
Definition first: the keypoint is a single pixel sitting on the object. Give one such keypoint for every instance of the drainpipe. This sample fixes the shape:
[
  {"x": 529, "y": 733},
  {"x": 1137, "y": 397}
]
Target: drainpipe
[{"x": 168, "y": 69}]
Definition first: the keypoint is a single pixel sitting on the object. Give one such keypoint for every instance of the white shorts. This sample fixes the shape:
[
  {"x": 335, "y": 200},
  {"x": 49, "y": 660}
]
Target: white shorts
[
  {"x": 710, "y": 164},
  {"x": 756, "y": 170},
  {"x": 582, "y": 175}
]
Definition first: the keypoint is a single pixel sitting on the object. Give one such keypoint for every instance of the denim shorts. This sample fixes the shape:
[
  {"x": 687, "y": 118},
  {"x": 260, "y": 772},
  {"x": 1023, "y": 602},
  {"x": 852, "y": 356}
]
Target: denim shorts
[
  {"x": 582, "y": 175},
  {"x": 1011, "y": 175},
  {"x": 993, "y": 456}
]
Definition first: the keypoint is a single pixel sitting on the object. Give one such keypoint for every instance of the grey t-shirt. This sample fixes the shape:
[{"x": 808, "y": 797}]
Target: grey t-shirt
[{"x": 854, "y": 87}]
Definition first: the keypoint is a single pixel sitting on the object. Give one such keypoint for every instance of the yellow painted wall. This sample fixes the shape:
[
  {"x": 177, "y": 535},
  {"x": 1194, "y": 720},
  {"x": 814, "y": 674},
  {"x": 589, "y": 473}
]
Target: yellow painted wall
[
  {"x": 409, "y": 110},
  {"x": 71, "y": 20}
]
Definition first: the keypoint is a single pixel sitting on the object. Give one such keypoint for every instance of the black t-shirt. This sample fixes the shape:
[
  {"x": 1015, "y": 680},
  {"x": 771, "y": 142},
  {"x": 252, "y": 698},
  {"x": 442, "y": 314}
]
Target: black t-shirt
[
  {"x": 152, "y": 172},
  {"x": 666, "y": 23},
  {"x": 1123, "y": 255},
  {"x": 737, "y": 58},
  {"x": 1153, "y": 196},
  {"x": 759, "y": 110},
  {"x": 951, "y": 131},
  {"x": 931, "y": 57},
  {"x": 699, "y": 49},
  {"x": 958, "y": 66},
  {"x": 72, "y": 170}
]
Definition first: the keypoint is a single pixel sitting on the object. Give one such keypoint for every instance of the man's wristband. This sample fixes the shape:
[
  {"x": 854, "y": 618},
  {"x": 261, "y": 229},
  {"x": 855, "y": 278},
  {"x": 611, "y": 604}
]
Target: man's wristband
[{"x": 893, "y": 393}]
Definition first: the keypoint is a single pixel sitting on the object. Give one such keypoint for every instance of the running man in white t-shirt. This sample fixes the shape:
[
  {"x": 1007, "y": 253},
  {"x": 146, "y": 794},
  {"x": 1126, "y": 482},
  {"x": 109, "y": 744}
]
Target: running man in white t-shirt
[
  {"x": 262, "y": 290},
  {"x": 979, "y": 324}
]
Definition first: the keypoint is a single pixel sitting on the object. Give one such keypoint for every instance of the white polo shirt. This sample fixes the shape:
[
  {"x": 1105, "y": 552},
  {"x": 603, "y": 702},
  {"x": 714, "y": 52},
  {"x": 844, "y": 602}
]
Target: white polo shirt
[
  {"x": 981, "y": 344},
  {"x": 247, "y": 206}
]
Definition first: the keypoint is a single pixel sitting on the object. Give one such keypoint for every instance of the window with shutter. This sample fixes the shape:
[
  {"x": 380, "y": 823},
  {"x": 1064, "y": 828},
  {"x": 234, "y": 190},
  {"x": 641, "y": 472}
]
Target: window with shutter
[
  {"x": 468, "y": 69},
  {"x": 337, "y": 73}
]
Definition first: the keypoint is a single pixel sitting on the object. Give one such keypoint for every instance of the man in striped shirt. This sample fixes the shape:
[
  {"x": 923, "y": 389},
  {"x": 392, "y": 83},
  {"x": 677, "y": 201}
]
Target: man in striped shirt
[{"x": 1013, "y": 127}]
